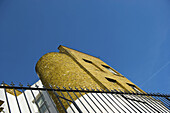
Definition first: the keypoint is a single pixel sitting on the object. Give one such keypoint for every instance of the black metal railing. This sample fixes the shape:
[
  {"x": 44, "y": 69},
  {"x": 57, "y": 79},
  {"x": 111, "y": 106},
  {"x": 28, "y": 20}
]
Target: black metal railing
[{"x": 36, "y": 98}]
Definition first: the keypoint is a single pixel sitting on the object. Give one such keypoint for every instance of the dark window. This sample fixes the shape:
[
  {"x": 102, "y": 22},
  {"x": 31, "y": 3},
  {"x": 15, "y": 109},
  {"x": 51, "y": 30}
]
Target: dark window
[
  {"x": 134, "y": 88},
  {"x": 97, "y": 67},
  {"x": 108, "y": 68},
  {"x": 111, "y": 80},
  {"x": 87, "y": 61}
]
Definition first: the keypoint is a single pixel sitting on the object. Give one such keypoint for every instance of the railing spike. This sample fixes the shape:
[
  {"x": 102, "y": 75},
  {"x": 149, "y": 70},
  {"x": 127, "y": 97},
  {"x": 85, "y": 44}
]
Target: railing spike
[
  {"x": 28, "y": 85},
  {"x": 36, "y": 86},
  {"x": 92, "y": 89},
  {"x": 97, "y": 89},
  {"x": 2, "y": 82},
  {"x": 102, "y": 89},
  {"x": 115, "y": 90},
  {"x": 81, "y": 88},
  {"x": 12, "y": 84},
  {"x": 87, "y": 88},
  {"x": 50, "y": 85},
  {"x": 20, "y": 84}
]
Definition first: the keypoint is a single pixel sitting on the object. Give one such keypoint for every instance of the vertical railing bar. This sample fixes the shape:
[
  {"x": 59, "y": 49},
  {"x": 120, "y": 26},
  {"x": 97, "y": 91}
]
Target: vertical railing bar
[
  {"x": 150, "y": 108},
  {"x": 120, "y": 99},
  {"x": 73, "y": 101},
  {"x": 114, "y": 101},
  {"x": 165, "y": 101},
  {"x": 56, "y": 94},
  {"x": 25, "y": 97},
  {"x": 146, "y": 104},
  {"x": 143, "y": 105},
  {"x": 128, "y": 102},
  {"x": 97, "y": 100},
  {"x": 140, "y": 104},
  {"x": 167, "y": 98},
  {"x": 85, "y": 99},
  {"x": 79, "y": 100},
  {"x": 6, "y": 98},
  {"x": 131, "y": 103},
  {"x": 16, "y": 97},
  {"x": 168, "y": 102},
  {"x": 103, "y": 100},
  {"x": 133, "y": 96},
  {"x": 150, "y": 103},
  {"x": 66, "y": 100},
  {"x": 77, "y": 107},
  {"x": 34, "y": 98},
  {"x": 51, "y": 99},
  {"x": 107, "y": 99},
  {"x": 160, "y": 104},
  {"x": 91, "y": 99},
  {"x": 42, "y": 97}
]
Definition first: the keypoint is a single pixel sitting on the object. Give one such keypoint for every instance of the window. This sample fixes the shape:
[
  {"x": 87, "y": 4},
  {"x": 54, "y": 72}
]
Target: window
[
  {"x": 96, "y": 67},
  {"x": 42, "y": 103},
  {"x": 134, "y": 88},
  {"x": 111, "y": 80},
  {"x": 108, "y": 68},
  {"x": 87, "y": 61},
  {"x": 116, "y": 84}
]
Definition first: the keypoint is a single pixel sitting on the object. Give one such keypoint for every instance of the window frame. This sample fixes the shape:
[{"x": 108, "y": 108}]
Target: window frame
[{"x": 40, "y": 98}]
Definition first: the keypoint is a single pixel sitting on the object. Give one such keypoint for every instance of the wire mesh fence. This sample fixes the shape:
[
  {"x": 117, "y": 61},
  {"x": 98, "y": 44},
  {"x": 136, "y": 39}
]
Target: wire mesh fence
[{"x": 38, "y": 99}]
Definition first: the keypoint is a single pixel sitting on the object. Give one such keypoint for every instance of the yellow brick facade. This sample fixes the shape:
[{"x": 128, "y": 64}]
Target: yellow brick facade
[{"x": 76, "y": 69}]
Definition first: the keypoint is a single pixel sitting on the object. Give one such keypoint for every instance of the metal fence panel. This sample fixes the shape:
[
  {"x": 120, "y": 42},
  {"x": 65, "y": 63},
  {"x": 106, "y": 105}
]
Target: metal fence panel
[{"x": 73, "y": 100}]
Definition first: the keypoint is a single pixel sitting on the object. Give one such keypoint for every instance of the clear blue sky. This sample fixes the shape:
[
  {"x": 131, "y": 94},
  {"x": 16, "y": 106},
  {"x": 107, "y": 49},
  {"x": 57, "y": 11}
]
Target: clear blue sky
[{"x": 132, "y": 36}]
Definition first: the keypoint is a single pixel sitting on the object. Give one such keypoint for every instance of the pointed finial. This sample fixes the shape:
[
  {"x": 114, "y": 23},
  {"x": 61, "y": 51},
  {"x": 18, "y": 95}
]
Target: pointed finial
[
  {"x": 28, "y": 85},
  {"x": 12, "y": 84},
  {"x": 20, "y": 84}
]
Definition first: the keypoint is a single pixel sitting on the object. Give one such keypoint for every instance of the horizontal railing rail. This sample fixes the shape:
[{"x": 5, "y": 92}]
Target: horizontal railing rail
[{"x": 87, "y": 91}]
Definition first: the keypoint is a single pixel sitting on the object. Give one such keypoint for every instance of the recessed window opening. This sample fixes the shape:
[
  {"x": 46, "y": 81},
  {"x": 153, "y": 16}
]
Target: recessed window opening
[
  {"x": 108, "y": 68},
  {"x": 134, "y": 88},
  {"x": 111, "y": 80},
  {"x": 117, "y": 84},
  {"x": 97, "y": 67},
  {"x": 87, "y": 61}
]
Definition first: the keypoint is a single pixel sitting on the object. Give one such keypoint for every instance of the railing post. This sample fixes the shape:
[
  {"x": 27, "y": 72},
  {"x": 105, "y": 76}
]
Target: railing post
[
  {"x": 6, "y": 97},
  {"x": 12, "y": 84},
  {"x": 25, "y": 97}
]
